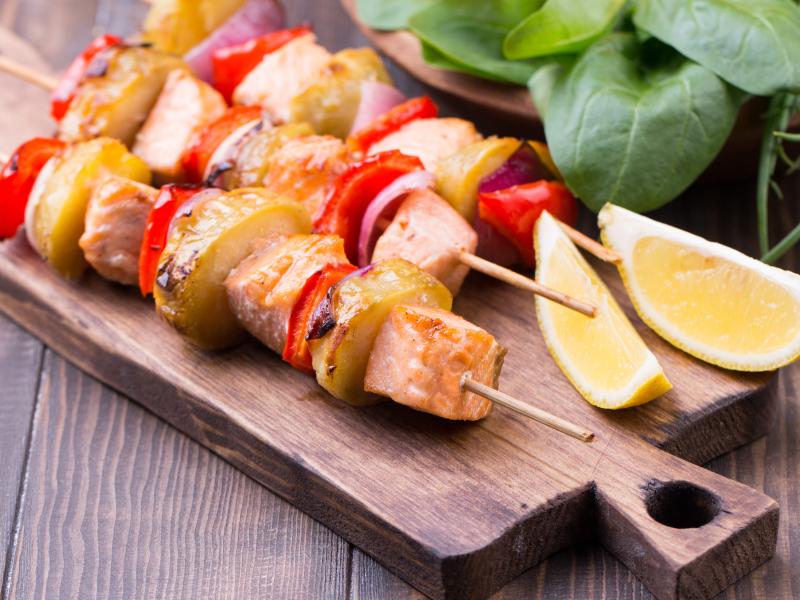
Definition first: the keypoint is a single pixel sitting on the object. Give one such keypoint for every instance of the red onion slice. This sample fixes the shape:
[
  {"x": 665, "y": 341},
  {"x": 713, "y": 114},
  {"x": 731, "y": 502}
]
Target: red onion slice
[
  {"x": 384, "y": 207},
  {"x": 521, "y": 167},
  {"x": 376, "y": 99},
  {"x": 255, "y": 18}
]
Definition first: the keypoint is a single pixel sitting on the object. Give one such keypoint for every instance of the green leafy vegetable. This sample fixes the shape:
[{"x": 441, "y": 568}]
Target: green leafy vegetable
[
  {"x": 388, "y": 15},
  {"x": 468, "y": 36},
  {"x": 753, "y": 44},
  {"x": 635, "y": 123},
  {"x": 561, "y": 27}
]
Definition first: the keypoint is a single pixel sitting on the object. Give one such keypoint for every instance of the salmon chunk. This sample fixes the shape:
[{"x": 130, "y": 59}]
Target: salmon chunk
[
  {"x": 429, "y": 139},
  {"x": 421, "y": 355},
  {"x": 281, "y": 75},
  {"x": 430, "y": 233},
  {"x": 185, "y": 106},
  {"x": 263, "y": 289},
  {"x": 115, "y": 220},
  {"x": 305, "y": 168}
]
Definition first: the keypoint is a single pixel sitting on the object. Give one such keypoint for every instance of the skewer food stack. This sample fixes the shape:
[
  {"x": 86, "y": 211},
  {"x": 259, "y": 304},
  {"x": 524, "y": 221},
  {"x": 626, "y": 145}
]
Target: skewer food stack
[
  {"x": 226, "y": 245},
  {"x": 322, "y": 212}
]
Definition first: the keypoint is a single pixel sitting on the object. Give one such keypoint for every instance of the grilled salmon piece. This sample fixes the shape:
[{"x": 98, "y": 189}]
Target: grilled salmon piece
[
  {"x": 304, "y": 169},
  {"x": 115, "y": 220},
  {"x": 265, "y": 286},
  {"x": 421, "y": 355},
  {"x": 281, "y": 75},
  {"x": 429, "y": 139},
  {"x": 430, "y": 233},
  {"x": 183, "y": 108}
]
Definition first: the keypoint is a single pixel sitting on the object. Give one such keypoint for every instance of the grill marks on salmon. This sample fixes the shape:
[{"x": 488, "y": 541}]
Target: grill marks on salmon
[
  {"x": 281, "y": 75},
  {"x": 263, "y": 289},
  {"x": 115, "y": 220},
  {"x": 183, "y": 108},
  {"x": 421, "y": 355},
  {"x": 431, "y": 234},
  {"x": 429, "y": 139},
  {"x": 304, "y": 169}
]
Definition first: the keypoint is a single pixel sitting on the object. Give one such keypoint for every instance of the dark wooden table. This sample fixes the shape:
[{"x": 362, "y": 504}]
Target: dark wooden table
[{"x": 100, "y": 499}]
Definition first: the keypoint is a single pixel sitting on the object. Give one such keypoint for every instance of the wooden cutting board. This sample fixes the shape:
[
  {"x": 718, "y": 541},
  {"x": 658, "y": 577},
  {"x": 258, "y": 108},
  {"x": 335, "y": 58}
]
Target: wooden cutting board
[{"x": 455, "y": 509}]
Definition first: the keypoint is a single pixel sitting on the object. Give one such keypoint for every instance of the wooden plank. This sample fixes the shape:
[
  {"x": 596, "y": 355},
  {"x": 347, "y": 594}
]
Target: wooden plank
[
  {"x": 20, "y": 360},
  {"x": 390, "y": 479},
  {"x": 120, "y": 505}
]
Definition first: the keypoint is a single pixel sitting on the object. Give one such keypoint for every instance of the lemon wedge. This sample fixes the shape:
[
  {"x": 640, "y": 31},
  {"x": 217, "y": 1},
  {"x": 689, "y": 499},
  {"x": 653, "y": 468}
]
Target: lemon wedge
[
  {"x": 705, "y": 298},
  {"x": 604, "y": 357}
]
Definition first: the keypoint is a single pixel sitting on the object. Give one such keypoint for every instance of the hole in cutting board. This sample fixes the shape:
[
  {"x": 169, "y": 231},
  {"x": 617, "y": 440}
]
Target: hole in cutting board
[{"x": 680, "y": 504}]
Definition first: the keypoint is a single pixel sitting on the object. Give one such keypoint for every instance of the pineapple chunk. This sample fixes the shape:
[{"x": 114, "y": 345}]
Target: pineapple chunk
[
  {"x": 331, "y": 102},
  {"x": 179, "y": 25},
  {"x": 59, "y": 201},
  {"x": 205, "y": 244},
  {"x": 349, "y": 320},
  {"x": 253, "y": 158},
  {"x": 421, "y": 356},
  {"x": 118, "y": 95}
]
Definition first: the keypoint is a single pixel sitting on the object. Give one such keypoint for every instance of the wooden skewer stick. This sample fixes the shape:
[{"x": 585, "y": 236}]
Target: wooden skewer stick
[
  {"x": 526, "y": 283},
  {"x": 591, "y": 246},
  {"x": 538, "y": 415},
  {"x": 18, "y": 70}
]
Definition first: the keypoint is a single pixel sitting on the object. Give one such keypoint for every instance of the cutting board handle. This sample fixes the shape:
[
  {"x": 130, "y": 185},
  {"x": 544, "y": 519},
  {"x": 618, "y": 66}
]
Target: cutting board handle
[{"x": 684, "y": 531}]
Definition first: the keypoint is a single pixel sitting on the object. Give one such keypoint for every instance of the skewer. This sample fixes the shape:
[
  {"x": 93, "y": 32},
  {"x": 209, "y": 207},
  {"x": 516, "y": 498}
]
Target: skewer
[
  {"x": 538, "y": 415},
  {"x": 471, "y": 260},
  {"x": 526, "y": 283},
  {"x": 49, "y": 83},
  {"x": 591, "y": 246},
  {"x": 16, "y": 69}
]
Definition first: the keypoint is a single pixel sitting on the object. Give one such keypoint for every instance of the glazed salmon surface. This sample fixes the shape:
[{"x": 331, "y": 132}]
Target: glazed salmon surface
[
  {"x": 421, "y": 355},
  {"x": 429, "y": 139},
  {"x": 430, "y": 233},
  {"x": 185, "y": 106},
  {"x": 281, "y": 75},
  {"x": 115, "y": 220},
  {"x": 265, "y": 286},
  {"x": 304, "y": 169}
]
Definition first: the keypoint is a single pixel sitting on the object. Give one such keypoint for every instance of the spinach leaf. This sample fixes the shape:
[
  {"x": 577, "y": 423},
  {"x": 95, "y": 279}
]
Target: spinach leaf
[
  {"x": 388, "y": 15},
  {"x": 468, "y": 36},
  {"x": 562, "y": 26},
  {"x": 635, "y": 123},
  {"x": 753, "y": 44}
]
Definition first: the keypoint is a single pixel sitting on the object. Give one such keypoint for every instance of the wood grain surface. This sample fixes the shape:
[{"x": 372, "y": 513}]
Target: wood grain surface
[{"x": 721, "y": 213}]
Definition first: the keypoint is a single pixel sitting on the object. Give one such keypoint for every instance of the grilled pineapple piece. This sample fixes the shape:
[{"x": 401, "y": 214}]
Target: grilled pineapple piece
[
  {"x": 349, "y": 321},
  {"x": 57, "y": 210},
  {"x": 459, "y": 175},
  {"x": 330, "y": 104},
  {"x": 118, "y": 94},
  {"x": 204, "y": 246},
  {"x": 179, "y": 25},
  {"x": 253, "y": 157}
]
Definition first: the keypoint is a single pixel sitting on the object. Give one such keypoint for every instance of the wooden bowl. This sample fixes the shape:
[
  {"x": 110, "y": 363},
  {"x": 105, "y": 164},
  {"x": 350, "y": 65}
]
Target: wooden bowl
[{"x": 509, "y": 104}]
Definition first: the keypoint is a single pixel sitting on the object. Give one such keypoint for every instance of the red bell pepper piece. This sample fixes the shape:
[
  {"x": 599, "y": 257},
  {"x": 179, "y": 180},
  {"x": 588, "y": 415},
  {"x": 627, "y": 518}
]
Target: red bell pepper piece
[
  {"x": 232, "y": 64},
  {"x": 169, "y": 200},
  {"x": 392, "y": 120},
  {"x": 67, "y": 86},
  {"x": 17, "y": 179},
  {"x": 514, "y": 211},
  {"x": 296, "y": 351},
  {"x": 354, "y": 189},
  {"x": 198, "y": 153}
]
